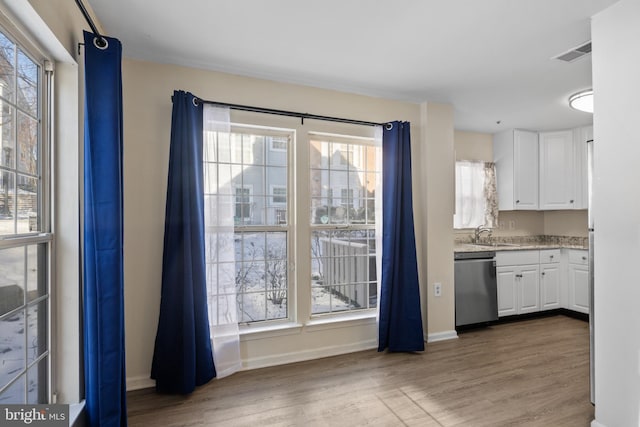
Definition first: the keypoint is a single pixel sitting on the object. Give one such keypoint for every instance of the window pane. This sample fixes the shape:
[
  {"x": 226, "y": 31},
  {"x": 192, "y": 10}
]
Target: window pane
[
  {"x": 36, "y": 271},
  {"x": 15, "y": 393},
  {"x": 253, "y": 150},
  {"x": 27, "y": 204},
  {"x": 7, "y": 202},
  {"x": 343, "y": 266},
  {"x": 7, "y": 67},
  {"x": 210, "y": 172},
  {"x": 252, "y": 306},
  {"x": 225, "y": 179},
  {"x": 37, "y": 383},
  {"x": 210, "y": 146},
  {"x": 12, "y": 266},
  {"x": 261, "y": 275},
  {"x": 27, "y": 84},
  {"x": 277, "y": 154},
  {"x": 224, "y": 146},
  {"x": 319, "y": 152},
  {"x": 36, "y": 330},
  {"x": 276, "y": 178},
  {"x": 341, "y": 156},
  {"x": 12, "y": 351},
  {"x": 7, "y": 130},
  {"x": 254, "y": 177},
  {"x": 319, "y": 182}
]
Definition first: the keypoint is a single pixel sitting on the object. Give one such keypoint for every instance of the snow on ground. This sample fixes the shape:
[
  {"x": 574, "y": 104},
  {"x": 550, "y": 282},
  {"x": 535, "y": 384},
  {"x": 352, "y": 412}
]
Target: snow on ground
[{"x": 12, "y": 356}]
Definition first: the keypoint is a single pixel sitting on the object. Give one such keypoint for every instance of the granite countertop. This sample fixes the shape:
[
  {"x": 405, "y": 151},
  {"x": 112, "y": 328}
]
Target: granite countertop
[{"x": 520, "y": 243}]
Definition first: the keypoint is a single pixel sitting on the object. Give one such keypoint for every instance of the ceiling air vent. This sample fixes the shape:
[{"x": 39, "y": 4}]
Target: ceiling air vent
[{"x": 575, "y": 53}]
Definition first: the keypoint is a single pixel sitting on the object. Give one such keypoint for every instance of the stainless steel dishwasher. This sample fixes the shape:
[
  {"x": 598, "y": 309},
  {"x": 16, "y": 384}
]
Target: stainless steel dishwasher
[{"x": 475, "y": 287}]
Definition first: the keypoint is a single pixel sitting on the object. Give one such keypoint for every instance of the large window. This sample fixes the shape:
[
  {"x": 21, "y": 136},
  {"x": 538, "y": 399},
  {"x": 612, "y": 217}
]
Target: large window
[
  {"x": 343, "y": 249},
  {"x": 243, "y": 164},
  {"x": 282, "y": 264},
  {"x": 24, "y": 225}
]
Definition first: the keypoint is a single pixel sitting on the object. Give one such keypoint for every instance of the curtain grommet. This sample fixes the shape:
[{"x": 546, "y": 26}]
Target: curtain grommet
[
  {"x": 100, "y": 42},
  {"x": 194, "y": 100},
  {"x": 388, "y": 126}
]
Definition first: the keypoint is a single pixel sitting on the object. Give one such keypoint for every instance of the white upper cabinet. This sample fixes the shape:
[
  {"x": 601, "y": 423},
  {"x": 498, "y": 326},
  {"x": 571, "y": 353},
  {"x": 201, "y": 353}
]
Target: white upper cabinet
[
  {"x": 515, "y": 153},
  {"x": 557, "y": 170},
  {"x": 542, "y": 171}
]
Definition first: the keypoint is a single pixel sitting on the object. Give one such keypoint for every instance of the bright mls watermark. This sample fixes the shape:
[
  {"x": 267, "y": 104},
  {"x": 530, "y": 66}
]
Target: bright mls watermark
[{"x": 34, "y": 415}]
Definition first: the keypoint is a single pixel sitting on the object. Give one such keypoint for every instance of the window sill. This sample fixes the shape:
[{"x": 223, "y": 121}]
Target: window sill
[
  {"x": 340, "y": 321},
  {"x": 323, "y": 323},
  {"x": 76, "y": 412}
]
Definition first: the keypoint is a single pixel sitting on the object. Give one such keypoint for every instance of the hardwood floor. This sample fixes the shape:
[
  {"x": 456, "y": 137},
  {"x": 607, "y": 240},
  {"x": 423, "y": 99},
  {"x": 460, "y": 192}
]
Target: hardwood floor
[{"x": 529, "y": 373}]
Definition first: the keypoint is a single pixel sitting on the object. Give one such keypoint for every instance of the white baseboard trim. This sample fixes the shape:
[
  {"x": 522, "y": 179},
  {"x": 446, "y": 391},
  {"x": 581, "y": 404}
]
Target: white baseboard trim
[
  {"x": 594, "y": 423},
  {"x": 138, "y": 383},
  {"x": 442, "y": 336},
  {"x": 301, "y": 356}
]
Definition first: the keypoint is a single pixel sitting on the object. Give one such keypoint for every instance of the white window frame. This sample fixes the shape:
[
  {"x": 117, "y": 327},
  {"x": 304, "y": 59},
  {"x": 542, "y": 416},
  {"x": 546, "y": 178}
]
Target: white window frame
[
  {"x": 43, "y": 235},
  {"x": 298, "y": 226}
]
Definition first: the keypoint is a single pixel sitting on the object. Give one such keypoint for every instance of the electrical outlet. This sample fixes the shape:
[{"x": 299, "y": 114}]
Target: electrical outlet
[
  {"x": 512, "y": 225},
  {"x": 437, "y": 289}
]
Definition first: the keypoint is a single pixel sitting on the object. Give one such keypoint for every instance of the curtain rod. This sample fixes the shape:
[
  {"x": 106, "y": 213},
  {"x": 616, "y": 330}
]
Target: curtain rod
[
  {"x": 101, "y": 41},
  {"x": 302, "y": 116}
]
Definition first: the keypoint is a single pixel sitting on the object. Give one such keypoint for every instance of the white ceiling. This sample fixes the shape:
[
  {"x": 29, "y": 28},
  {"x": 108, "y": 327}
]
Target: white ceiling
[{"x": 490, "y": 59}]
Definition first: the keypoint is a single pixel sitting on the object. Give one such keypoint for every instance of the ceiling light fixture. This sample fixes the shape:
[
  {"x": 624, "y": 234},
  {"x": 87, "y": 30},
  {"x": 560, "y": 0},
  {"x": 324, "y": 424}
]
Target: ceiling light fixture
[{"x": 582, "y": 101}]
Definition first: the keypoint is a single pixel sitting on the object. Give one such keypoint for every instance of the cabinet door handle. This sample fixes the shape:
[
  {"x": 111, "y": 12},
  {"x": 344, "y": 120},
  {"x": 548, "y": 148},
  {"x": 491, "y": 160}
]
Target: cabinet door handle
[
  {"x": 584, "y": 258},
  {"x": 570, "y": 201},
  {"x": 517, "y": 201},
  {"x": 543, "y": 273},
  {"x": 550, "y": 256}
]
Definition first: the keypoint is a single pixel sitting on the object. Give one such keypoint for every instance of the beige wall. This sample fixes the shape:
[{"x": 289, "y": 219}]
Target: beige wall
[
  {"x": 147, "y": 90},
  {"x": 437, "y": 168},
  {"x": 566, "y": 223},
  {"x": 473, "y": 146}
]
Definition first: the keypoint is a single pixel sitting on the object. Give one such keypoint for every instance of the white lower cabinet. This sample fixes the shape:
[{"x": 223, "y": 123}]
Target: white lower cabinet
[
  {"x": 518, "y": 282},
  {"x": 550, "y": 279},
  {"x": 531, "y": 281},
  {"x": 578, "y": 281}
]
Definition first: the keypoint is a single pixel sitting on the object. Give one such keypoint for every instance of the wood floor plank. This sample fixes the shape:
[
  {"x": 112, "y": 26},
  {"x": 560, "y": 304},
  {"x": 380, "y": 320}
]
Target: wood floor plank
[{"x": 529, "y": 373}]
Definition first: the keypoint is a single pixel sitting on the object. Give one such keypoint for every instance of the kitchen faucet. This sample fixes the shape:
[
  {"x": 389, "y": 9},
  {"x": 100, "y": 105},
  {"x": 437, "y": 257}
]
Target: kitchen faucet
[{"x": 479, "y": 230}]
